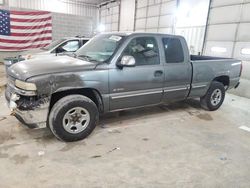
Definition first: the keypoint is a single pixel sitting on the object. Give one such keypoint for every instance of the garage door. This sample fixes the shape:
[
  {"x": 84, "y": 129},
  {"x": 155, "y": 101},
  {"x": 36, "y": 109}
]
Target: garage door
[
  {"x": 228, "y": 29},
  {"x": 228, "y": 35}
]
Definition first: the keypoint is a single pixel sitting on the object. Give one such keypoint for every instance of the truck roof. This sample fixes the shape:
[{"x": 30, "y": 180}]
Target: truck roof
[
  {"x": 142, "y": 33},
  {"x": 77, "y": 37}
]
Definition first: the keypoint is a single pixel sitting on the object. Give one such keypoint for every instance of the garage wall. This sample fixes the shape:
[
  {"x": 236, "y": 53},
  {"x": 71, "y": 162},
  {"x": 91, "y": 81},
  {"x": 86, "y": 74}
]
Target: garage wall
[
  {"x": 67, "y": 15},
  {"x": 109, "y": 16},
  {"x": 191, "y": 19},
  {"x": 69, "y": 19},
  {"x": 187, "y": 19},
  {"x": 65, "y": 25},
  {"x": 59, "y": 6},
  {"x": 194, "y": 36},
  {"x": 228, "y": 35},
  {"x": 155, "y": 15},
  {"x": 127, "y": 15}
]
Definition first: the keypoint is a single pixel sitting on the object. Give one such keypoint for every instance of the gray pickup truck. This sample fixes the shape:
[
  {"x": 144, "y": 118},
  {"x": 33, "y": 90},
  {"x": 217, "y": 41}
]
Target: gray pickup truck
[{"x": 113, "y": 72}]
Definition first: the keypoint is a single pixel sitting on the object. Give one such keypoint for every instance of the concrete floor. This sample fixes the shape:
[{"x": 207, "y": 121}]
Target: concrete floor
[
  {"x": 178, "y": 145},
  {"x": 2, "y": 77}
]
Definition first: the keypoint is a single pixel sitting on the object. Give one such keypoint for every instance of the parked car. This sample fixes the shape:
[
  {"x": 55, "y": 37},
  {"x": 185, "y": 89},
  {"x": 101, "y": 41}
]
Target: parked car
[
  {"x": 64, "y": 45},
  {"x": 114, "y": 72}
]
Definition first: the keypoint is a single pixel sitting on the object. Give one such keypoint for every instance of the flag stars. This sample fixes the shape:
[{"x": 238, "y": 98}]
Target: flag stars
[{"x": 4, "y": 22}]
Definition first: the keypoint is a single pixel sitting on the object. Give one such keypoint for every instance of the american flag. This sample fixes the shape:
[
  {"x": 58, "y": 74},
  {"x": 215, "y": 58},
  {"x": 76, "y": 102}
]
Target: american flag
[{"x": 23, "y": 30}]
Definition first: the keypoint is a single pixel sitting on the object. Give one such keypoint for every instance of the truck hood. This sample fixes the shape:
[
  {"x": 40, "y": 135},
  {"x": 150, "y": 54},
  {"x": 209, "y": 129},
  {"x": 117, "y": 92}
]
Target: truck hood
[
  {"x": 58, "y": 64},
  {"x": 31, "y": 54}
]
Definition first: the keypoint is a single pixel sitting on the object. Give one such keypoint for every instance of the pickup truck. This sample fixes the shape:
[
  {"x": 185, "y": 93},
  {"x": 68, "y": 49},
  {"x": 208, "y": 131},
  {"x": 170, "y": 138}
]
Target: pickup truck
[
  {"x": 63, "y": 45},
  {"x": 113, "y": 72}
]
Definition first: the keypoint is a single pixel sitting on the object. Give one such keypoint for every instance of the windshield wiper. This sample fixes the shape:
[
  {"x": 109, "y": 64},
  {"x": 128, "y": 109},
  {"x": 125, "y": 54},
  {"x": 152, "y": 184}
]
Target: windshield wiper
[{"x": 88, "y": 58}]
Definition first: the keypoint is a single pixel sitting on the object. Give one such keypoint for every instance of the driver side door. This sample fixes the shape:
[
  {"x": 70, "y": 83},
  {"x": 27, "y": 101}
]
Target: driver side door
[{"x": 142, "y": 84}]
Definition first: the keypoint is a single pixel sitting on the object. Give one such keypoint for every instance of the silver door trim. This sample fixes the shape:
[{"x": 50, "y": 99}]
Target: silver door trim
[
  {"x": 199, "y": 86},
  {"x": 136, "y": 94},
  {"x": 175, "y": 89}
]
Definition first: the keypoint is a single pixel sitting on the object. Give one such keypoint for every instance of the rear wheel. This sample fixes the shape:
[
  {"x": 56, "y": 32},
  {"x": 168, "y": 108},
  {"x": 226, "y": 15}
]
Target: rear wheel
[
  {"x": 73, "y": 118},
  {"x": 214, "y": 96}
]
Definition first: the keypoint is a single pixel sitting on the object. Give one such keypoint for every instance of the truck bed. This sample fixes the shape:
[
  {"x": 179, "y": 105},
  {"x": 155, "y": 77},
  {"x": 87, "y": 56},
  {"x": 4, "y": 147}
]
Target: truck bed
[{"x": 207, "y": 68}]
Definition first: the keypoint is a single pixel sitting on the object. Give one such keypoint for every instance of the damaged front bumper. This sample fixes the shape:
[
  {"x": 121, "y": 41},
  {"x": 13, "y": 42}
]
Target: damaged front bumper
[{"x": 28, "y": 108}]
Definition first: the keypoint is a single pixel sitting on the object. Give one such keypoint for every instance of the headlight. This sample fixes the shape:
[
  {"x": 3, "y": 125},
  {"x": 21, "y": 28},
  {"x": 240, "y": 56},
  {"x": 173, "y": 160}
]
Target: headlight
[
  {"x": 25, "y": 85},
  {"x": 7, "y": 62}
]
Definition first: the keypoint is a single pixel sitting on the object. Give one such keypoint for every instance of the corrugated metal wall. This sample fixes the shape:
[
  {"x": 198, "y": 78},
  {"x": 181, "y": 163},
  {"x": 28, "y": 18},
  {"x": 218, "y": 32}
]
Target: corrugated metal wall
[
  {"x": 159, "y": 16},
  {"x": 109, "y": 16},
  {"x": 155, "y": 15},
  {"x": 59, "y": 6},
  {"x": 228, "y": 35},
  {"x": 127, "y": 15},
  {"x": 228, "y": 29},
  {"x": 67, "y": 25},
  {"x": 191, "y": 18},
  {"x": 69, "y": 19},
  {"x": 194, "y": 36},
  {"x": 166, "y": 17}
]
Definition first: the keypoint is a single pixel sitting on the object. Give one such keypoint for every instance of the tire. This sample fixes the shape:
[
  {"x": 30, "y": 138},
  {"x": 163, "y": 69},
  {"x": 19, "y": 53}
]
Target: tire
[
  {"x": 214, "y": 96},
  {"x": 73, "y": 118}
]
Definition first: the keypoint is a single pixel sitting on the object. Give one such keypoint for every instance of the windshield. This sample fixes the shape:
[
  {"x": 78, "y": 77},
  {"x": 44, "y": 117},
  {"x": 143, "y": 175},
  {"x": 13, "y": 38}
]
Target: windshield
[
  {"x": 100, "y": 48},
  {"x": 53, "y": 44}
]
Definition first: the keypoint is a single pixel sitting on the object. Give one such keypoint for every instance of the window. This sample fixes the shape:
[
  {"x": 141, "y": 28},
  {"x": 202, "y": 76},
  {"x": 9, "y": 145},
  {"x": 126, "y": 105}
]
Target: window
[
  {"x": 53, "y": 44},
  {"x": 71, "y": 46},
  {"x": 144, "y": 50},
  {"x": 173, "y": 50},
  {"x": 84, "y": 41}
]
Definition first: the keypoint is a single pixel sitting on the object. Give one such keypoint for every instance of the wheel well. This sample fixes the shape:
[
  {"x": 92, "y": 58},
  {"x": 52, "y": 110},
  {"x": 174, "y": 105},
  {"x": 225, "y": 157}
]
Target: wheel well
[
  {"x": 93, "y": 94},
  {"x": 223, "y": 79}
]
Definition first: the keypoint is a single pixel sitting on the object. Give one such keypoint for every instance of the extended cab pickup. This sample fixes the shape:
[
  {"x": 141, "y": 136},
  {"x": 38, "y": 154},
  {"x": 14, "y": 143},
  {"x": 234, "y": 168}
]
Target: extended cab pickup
[{"x": 113, "y": 72}]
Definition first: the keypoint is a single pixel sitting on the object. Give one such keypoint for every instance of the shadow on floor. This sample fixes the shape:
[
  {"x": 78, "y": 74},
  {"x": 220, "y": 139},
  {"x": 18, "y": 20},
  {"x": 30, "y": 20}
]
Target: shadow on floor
[{"x": 45, "y": 136}]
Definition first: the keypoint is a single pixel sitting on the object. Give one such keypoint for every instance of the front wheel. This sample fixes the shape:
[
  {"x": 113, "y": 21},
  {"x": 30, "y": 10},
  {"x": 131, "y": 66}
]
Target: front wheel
[
  {"x": 73, "y": 118},
  {"x": 214, "y": 96}
]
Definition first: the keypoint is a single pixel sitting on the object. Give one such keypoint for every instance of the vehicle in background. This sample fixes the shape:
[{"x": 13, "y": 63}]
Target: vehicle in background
[
  {"x": 114, "y": 72},
  {"x": 64, "y": 45}
]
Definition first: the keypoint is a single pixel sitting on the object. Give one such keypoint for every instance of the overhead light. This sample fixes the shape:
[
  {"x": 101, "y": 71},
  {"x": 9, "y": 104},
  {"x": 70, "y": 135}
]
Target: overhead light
[
  {"x": 245, "y": 51},
  {"x": 218, "y": 49}
]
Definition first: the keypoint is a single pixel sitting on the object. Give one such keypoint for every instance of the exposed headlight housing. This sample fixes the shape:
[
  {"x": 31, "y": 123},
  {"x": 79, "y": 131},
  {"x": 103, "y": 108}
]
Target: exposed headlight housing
[
  {"x": 7, "y": 62},
  {"x": 25, "y": 85}
]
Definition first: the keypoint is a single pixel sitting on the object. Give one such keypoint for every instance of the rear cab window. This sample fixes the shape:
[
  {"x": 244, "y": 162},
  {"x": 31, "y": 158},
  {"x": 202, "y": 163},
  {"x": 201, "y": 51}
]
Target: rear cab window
[{"x": 173, "y": 50}]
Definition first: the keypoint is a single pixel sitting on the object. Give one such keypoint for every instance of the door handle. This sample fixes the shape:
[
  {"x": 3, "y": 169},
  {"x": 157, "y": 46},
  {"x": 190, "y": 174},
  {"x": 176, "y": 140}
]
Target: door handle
[{"x": 158, "y": 73}]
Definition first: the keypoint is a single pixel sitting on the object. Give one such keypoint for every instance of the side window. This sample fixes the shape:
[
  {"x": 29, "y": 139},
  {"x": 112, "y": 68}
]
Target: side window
[
  {"x": 173, "y": 50},
  {"x": 70, "y": 46},
  {"x": 144, "y": 50},
  {"x": 84, "y": 41}
]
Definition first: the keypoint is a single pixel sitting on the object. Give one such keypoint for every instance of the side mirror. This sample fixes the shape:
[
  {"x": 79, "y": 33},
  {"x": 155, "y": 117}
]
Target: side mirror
[{"x": 127, "y": 61}]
